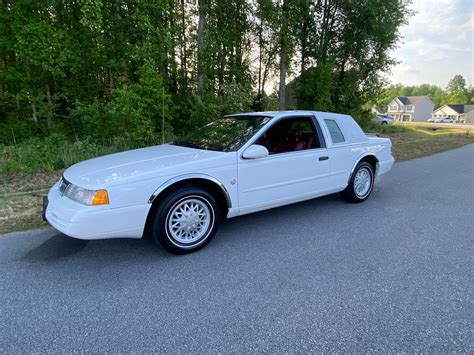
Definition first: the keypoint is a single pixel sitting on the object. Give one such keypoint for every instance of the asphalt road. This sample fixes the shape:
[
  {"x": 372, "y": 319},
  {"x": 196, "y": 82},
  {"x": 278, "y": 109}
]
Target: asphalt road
[{"x": 392, "y": 274}]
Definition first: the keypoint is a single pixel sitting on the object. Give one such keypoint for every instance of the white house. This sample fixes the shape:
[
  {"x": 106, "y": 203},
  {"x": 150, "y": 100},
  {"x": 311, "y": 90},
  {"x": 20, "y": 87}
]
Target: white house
[
  {"x": 410, "y": 108},
  {"x": 456, "y": 112}
]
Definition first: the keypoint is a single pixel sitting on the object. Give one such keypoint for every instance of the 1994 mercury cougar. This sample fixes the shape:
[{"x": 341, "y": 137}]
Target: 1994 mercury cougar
[{"x": 239, "y": 164}]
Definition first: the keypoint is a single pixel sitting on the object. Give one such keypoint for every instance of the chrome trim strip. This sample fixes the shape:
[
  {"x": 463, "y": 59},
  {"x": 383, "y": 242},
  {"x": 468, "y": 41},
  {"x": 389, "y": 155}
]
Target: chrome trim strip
[{"x": 191, "y": 176}]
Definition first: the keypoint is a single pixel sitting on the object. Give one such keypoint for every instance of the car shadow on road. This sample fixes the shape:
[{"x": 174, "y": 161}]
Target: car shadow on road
[
  {"x": 57, "y": 246},
  {"x": 60, "y": 246}
]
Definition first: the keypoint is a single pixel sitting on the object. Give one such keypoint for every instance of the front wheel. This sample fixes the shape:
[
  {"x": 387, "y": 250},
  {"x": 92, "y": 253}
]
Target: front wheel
[
  {"x": 361, "y": 183},
  {"x": 185, "y": 220}
]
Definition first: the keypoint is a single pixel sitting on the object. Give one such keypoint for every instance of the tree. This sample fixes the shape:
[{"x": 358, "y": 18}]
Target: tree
[
  {"x": 63, "y": 60},
  {"x": 349, "y": 47},
  {"x": 456, "y": 84},
  {"x": 457, "y": 91},
  {"x": 203, "y": 4},
  {"x": 284, "y": 39}
]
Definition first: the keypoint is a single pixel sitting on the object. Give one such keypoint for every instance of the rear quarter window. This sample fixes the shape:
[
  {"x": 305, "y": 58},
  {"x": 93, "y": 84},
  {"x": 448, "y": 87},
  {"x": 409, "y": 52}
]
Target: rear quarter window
[{"x": 334, "y": 131}]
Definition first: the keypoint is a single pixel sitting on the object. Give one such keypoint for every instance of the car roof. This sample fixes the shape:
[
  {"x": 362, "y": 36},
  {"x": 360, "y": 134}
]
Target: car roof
[
  {"x": 262, "y": 113},
  {"x": 273, "y": 113}
]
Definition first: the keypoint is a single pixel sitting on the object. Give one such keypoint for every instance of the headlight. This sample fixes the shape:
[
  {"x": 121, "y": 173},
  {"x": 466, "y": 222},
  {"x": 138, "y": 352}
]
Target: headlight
[{"x": 87, "y": 197}]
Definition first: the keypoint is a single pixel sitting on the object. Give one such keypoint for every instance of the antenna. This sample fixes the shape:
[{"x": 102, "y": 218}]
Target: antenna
[{"x": 163, "y": 119}]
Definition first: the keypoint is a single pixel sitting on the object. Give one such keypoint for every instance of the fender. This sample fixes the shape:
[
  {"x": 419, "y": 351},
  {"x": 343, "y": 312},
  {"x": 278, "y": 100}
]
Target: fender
[
  {"x": 183, "y": 177},
  {"x": 359, "y": 158}
]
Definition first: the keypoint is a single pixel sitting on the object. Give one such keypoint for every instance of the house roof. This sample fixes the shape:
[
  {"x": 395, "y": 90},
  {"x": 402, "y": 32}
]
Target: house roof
[
  {"x": 378, "y": 110},
  {"x": 459, "y": 108},
  {"x": 411, "y": 100}
]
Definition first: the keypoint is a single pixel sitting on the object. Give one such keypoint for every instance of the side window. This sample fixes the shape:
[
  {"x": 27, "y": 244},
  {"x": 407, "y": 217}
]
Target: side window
[
  {"x": 290, "y": 134},
  {"x": 335, "y": 131}
]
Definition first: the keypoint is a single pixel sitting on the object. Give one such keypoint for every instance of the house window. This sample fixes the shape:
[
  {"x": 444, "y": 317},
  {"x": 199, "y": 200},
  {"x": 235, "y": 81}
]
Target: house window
[
  {"x": 409, "y": 107},
  {"x": 334, "y": 131},
  {"x": 393, "y": 108}
]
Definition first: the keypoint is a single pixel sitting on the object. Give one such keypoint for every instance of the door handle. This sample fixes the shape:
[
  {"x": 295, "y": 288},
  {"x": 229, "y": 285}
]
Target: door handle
[{"x": 323, "y": 158}]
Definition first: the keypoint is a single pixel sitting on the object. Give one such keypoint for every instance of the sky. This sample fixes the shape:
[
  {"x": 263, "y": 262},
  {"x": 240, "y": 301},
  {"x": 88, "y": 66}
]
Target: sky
[{"x": 437, "y": 43}]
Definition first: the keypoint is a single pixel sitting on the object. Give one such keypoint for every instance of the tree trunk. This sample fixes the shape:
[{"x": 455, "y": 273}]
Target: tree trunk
[
  {"x": 34, "y": 115},
  {"x": 267, "y": 67},
  {"x": 304, "y": 38},
  {"x": 283, "y": 56},
  {"x": 200, "y": 43},
  {"x": 184, "y": 58},
  {"x": 50, "y": 103},
  {"x": 260, "y": 57},
  {"x": 222, "y": 65},
  {"x": 173, "y": 54},
  {"x": 282, "y": 88},
  {"x": 111, "y": 81}
]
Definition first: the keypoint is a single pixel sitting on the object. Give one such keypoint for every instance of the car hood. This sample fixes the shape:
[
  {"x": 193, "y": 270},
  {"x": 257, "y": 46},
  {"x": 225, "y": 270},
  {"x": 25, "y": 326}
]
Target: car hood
[{"x": 114, "y": 168}]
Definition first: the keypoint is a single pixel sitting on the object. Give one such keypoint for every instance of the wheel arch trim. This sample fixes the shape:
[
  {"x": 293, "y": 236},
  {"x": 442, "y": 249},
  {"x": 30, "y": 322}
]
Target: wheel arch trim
[{"x": 184, "y": 177}]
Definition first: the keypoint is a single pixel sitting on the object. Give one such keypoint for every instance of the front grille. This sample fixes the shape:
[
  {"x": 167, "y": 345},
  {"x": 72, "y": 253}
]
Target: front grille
[{"x": 63, "y": 185}]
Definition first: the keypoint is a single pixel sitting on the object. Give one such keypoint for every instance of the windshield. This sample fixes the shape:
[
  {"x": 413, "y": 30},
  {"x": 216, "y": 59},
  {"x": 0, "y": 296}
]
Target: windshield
[{"x": 225, "y": 135}]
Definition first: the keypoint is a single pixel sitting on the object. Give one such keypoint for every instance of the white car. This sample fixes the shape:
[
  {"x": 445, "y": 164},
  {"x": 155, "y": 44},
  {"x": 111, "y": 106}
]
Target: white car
[
  {"x": 443, "y": 120},
  {"x": 239, "y": 164},
  {"x": 383, "y": 119}
]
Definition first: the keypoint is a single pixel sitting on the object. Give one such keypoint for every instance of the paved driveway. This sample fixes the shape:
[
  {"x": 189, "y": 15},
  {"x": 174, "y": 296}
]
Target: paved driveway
[{"x": 392, "y": 274}]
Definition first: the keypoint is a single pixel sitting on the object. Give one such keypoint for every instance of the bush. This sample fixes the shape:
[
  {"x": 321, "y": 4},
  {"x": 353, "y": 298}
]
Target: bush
[
  {"x": 374, "y": 127},
  {"x": 53, "y": 153}
]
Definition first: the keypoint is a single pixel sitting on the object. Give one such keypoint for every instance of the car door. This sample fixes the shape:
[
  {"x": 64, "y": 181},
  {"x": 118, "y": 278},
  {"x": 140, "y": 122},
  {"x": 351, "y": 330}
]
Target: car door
[{"x": 296, "y": 168}]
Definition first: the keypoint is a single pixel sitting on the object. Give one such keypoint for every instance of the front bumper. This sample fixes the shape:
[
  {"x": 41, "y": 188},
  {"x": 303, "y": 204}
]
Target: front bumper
[{"x": 94, "y": 222}]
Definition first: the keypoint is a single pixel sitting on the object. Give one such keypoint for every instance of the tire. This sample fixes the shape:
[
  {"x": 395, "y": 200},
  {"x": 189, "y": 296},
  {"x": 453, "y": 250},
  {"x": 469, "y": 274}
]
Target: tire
[
  {"x": 360, "y": 184},
  {"x": 185, "y": 220},
  {"x": 384, "y": 123}
]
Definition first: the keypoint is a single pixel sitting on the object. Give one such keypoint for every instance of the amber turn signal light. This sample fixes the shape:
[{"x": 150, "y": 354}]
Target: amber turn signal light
[{"x": 101, "y": 198}]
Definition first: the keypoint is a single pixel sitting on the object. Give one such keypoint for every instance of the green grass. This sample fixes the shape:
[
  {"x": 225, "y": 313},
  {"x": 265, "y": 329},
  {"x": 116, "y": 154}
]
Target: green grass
[{"x": 410, "y": 141}]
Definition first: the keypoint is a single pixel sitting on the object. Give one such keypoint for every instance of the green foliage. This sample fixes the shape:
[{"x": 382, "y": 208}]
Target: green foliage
[
  {"x": 83, "y": 78},
  {"x": 456, "y": 84},
  {"x": 348, "y": 42},
  {"x": 52, "y": 153},
  {"x": 313, "y": 89},
  {"x": 376, "y": 127},
  {"x": 455, "y": 93}
]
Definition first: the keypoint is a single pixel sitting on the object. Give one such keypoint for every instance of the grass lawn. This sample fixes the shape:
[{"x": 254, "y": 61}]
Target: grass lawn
[
  {"x": 20, "y": 193},
  {"x": 415, "y": 140}
]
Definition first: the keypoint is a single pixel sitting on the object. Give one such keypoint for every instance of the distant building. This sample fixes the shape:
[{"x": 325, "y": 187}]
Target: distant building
[
  {"x": 378, "y": 110},
  {"x": 410, "y": 108},
  {"x": 469, "y": 117},
  {"x": 459, "y": 113}
]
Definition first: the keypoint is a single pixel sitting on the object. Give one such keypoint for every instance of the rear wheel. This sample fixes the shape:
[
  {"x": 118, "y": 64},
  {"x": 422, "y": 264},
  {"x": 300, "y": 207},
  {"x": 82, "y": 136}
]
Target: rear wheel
[
  {"x": 361, "y": 183},
  {"x": 185, "y": 220}
]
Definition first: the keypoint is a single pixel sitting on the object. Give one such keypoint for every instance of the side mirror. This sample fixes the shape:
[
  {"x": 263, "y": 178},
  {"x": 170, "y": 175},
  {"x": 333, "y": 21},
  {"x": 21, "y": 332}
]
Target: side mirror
[{"x": 255, "y": 151}]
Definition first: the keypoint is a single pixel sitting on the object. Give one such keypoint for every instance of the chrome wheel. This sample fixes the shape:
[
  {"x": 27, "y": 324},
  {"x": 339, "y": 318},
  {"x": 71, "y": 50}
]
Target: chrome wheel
[
  {"x": 363, "y": 182},
  {"x": 189, "y": 221}
]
